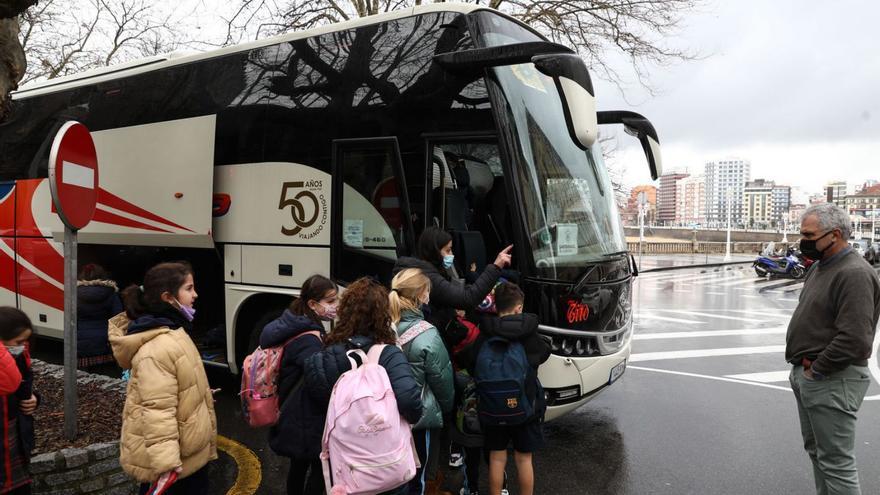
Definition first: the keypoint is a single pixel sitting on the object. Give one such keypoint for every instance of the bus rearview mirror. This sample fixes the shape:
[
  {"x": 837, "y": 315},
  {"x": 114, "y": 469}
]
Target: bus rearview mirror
[
  {"x": 575, "y": 88},
  {"x": 641, "y": 128}
]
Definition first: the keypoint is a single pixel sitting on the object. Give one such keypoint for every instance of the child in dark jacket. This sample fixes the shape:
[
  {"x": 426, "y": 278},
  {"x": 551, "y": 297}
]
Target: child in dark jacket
[
  {"x": 297, "y": 434},
  {"x": 97, "y": 300},
  {"x": 19, "y": 406},
  {"x": 514, "y": 325}
]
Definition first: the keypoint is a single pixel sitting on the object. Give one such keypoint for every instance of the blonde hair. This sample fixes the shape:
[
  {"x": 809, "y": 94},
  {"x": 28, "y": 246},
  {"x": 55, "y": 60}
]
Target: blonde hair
[{"x": 406, "y": 288}]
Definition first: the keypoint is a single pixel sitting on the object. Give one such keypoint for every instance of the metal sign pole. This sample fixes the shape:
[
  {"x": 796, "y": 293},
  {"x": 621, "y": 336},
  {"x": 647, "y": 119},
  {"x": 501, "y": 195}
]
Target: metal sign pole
[{"x": 70, "y": 395}]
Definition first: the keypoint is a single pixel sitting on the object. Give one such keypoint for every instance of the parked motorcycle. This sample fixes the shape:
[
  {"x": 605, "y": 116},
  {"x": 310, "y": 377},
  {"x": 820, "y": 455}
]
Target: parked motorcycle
[{"x": 789, "y": 265}]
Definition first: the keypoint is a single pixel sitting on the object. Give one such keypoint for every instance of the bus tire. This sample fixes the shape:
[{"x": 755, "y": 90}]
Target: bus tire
[
  {"x": 255, "y": 313},
  {"x": 257, "y": 330}
]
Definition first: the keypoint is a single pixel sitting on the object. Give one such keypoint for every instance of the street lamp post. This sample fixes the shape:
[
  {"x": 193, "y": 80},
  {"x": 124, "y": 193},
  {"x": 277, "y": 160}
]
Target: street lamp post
[
  {"x": 873, "y": 223},
  {"x": 729, "y": 207},
  {"x": 643, "y": 209}
]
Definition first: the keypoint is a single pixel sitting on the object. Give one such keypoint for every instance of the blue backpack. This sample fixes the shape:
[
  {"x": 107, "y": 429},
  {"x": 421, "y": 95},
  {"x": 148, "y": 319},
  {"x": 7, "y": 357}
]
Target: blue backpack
[{"x": 501, "y": 374}]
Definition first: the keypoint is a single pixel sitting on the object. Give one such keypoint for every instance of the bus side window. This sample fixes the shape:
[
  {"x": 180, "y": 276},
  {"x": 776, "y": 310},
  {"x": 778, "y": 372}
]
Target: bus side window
[{"x": 374, "y": 226}]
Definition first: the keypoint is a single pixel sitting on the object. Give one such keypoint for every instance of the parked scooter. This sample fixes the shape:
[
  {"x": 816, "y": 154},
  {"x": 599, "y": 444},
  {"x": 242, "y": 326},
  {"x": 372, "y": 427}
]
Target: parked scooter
[{"x": 789, "y": 265}]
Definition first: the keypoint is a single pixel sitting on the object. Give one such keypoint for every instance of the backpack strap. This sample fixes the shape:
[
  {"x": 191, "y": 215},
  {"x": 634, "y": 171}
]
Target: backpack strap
[
  {"x": 375, "y": 353},
  {"x": 356, "y": 352},
  {"x": 310, "y": 332},
  {"x": 412, "y": 332}
]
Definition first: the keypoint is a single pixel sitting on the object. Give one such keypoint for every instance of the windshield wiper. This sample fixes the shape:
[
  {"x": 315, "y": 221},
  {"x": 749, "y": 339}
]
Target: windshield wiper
[
  {"x": 618, "y": 253},
  {"x": 582, "y": 280}
]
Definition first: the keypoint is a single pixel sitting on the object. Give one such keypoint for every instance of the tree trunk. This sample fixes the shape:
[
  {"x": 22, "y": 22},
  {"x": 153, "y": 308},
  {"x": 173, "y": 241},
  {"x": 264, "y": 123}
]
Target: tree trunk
[{"x": 12, "y": 62}]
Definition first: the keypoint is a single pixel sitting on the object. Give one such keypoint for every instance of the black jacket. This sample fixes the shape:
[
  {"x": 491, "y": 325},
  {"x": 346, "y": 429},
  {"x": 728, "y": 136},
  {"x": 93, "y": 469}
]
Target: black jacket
[
  {"x": 521, "y": 328},
  {"x": 301, "y": 422},
  {"x": 447, "y": 295},
  {"x": 96, "y": 302},
  {"x": 325, "y": 367}
]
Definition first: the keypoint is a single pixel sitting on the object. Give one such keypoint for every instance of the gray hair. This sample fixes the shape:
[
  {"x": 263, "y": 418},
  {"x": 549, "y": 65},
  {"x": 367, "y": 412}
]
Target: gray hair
[{"x": 830, "y": 217}]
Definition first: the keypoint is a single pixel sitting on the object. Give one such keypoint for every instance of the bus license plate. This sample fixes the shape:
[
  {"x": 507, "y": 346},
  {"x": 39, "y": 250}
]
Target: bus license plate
[{"x": 617, "y": 371}]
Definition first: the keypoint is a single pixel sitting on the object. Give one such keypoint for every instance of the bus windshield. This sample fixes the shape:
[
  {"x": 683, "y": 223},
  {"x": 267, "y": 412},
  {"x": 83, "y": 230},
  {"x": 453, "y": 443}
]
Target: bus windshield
[{"x": 567, "y": 198}]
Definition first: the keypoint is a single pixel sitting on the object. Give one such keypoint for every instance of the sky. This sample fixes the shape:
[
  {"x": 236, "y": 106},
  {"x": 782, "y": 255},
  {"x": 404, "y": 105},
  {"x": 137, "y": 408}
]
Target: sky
[{"x": 792, "y": 86}]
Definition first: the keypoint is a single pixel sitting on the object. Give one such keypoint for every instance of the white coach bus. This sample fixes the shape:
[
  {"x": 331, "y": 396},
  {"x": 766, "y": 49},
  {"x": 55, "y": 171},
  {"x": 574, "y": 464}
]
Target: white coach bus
[{"x": 328, "y": 151}]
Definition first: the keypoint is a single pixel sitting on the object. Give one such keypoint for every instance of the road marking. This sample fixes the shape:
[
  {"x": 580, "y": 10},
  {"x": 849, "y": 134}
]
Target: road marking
[
  {"x": 784, "y": 313},
  {"x": 642, "y": 316},
  {"x": 709, "y": 333},
  {"x": 717, "y": 293},
  {"x": 250, "y": 472},
  {"x": 709, "y": 377},
  {"x": 690, "y": 276},
  {"x": 701, "y": 353},
  {"x": 710, "y": 315},
  {"x": 768, "y": 377},
  {"x": 754, "y": 282}
]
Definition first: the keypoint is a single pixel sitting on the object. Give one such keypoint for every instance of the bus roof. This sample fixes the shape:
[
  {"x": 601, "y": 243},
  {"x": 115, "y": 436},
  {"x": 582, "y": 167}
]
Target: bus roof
[{"x": 149, "y": 64}]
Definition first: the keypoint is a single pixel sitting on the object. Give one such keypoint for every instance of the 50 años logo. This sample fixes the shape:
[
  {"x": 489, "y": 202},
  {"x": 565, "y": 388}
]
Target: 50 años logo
[{"x": 306, "y": 207}]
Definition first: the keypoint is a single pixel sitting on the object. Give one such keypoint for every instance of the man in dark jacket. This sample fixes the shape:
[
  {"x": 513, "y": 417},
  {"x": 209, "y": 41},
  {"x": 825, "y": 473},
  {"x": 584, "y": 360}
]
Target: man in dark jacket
[
  {"x": 514, "y": 325},
  {"x": 829, "y": 341}
]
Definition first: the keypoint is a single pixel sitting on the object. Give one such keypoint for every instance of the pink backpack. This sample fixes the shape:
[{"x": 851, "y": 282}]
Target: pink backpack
[
  {"x": 259, "y": 383},
  {"x": 367, "y": 446}
]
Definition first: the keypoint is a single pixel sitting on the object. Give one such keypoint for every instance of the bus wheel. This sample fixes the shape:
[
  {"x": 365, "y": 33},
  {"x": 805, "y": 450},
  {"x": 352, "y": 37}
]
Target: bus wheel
[{"x": 267, "y": 318}]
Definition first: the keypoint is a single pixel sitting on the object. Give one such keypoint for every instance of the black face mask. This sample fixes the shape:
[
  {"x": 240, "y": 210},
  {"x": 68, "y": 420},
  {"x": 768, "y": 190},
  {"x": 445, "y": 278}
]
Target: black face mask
[{"x": 808, "y": 247}]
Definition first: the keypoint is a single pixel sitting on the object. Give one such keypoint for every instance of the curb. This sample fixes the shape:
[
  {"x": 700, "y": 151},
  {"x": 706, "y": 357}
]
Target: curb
[{"x": 684, "y": 267}]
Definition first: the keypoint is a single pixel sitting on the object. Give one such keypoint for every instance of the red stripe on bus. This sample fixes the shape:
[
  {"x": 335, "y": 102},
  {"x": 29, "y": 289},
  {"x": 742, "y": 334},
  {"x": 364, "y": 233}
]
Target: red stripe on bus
[
  {"x": 114, "y": 219},
  {"x": 39, "y": 252},
  {"x": 107, "y": 198}
]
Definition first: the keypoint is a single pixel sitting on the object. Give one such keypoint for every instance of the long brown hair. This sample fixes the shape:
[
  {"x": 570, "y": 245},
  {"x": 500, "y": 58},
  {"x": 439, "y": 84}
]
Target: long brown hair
[{"x": 363, "y": 310}]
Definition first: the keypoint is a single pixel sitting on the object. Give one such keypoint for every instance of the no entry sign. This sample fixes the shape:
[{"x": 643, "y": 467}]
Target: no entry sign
[
  {"x": 73, "y": 175},
  {"x": 73, "y": 180}
]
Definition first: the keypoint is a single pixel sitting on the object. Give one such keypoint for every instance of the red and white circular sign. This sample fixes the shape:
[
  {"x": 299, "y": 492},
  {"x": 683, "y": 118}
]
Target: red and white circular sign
[{"x": 73, "y": 175}]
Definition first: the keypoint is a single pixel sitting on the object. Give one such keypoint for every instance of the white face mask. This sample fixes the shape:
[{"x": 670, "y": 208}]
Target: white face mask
[{"x": 327, "y": 312}]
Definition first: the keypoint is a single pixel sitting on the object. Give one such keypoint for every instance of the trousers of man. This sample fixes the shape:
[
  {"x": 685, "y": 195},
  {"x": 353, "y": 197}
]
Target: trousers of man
[{"x": 827, "y": 410}]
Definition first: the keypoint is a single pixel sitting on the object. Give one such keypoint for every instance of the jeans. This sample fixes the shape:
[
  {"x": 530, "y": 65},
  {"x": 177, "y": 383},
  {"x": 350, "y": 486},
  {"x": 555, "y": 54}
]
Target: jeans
[
  {"x": 422, "y": 439},
  {"x": 827, "y": 410}
]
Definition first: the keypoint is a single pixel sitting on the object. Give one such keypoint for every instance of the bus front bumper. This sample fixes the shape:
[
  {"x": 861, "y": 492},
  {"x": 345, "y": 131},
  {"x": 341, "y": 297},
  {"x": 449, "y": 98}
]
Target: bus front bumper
[{"x": 569, "y": 383}]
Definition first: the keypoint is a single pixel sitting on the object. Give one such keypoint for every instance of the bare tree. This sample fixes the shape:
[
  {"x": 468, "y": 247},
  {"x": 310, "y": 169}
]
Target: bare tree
[{"x": 67, "y": 36}]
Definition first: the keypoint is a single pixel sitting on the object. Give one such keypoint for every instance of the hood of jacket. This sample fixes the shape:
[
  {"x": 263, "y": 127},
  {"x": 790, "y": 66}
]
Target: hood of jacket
[
  {"x": 95, "y": 291},
  {"x": 287, "y": 326},
  {"x": 426, "y": 267},
  {"x": 125, "y": 344},
  {"x": 514, "y": 327}
]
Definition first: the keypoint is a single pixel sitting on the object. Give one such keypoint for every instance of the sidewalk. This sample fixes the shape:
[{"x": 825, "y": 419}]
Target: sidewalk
[{"x": 658, "y": 262}]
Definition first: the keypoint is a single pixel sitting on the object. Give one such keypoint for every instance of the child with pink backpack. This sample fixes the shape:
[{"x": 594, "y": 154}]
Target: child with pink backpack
[
  {"x": 299, "y": 332},
  {"x": 371, "y": 395}
]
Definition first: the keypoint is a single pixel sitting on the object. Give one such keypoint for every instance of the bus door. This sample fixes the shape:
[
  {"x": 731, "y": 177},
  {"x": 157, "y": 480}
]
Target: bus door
[
  {"x": 467, "y": 196},
  {"x": 372, "y": 225}
]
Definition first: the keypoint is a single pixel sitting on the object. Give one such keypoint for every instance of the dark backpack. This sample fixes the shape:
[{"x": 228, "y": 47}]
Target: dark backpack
[{"x": 501, "y": 374}]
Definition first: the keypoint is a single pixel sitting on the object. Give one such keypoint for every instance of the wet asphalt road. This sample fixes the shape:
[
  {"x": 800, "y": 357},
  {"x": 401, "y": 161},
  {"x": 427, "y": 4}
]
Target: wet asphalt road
[{"x": 703, "y": 408}]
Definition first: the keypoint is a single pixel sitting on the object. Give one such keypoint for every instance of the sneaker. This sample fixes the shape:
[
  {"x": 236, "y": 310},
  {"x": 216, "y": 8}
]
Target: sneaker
[
  {"x": 504, "y": 491},
  {"x": 456, "y": 460}
]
